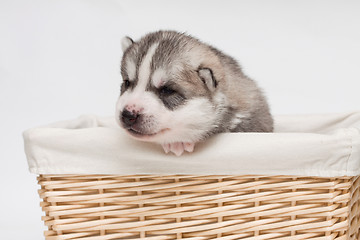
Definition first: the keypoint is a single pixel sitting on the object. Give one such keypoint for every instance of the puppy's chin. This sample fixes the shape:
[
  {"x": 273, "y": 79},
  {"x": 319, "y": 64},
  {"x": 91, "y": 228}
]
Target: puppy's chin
[{"x": 146, "y": 137}]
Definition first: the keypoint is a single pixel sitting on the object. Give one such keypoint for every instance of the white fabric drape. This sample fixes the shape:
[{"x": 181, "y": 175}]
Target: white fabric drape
[{"x": 325, "y": 145}]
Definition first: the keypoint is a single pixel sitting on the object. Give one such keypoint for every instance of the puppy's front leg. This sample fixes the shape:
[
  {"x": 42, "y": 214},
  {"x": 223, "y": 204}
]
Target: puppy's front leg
[{"x": 178, "y": 148}]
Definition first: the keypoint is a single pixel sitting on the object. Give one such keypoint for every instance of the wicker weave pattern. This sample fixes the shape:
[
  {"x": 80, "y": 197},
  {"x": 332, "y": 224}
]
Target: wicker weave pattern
[{"x": 90, "y": 207}]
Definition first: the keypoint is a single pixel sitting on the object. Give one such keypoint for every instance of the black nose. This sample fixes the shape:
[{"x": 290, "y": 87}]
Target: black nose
[{"x": 129, "y": 118}]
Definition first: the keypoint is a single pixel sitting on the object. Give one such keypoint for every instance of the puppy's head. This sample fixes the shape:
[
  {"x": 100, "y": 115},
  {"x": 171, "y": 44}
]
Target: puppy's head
[{"x": 169, "y": 89}]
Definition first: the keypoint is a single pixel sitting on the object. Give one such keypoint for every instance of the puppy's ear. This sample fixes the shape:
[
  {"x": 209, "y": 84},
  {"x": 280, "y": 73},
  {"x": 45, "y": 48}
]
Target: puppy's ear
[
  {"x": 208, "y": 78},
  {"x": 126, "y": 42}
]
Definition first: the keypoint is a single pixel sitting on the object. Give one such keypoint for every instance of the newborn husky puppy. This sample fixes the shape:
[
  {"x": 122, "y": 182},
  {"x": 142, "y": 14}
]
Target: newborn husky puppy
[{"x": 178, "y": 91}]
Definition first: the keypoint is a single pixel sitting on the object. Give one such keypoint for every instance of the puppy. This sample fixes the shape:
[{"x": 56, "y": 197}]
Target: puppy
[{"x": 178, "y": 91}]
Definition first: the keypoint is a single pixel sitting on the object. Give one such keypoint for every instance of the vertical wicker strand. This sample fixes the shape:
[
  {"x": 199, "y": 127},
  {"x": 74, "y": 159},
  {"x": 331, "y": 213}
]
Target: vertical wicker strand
[
  {"x": 178, "y": 220},
  {"x": 331, "y": 191},
  {"x": 58, "y": 232},
  {"x": 354, "y": 210},
  {"x": 356, "y": 184},
  {"x": 343, "y": 205},
  {"x": 142, "y": 218},
  {"x": 101, "y": 204},
  {"x": 220, "y": 204},
  {"x": 357, "y": 206},
  {"x": 293, "y": 204},
  {"x": 257, "y": 203}
]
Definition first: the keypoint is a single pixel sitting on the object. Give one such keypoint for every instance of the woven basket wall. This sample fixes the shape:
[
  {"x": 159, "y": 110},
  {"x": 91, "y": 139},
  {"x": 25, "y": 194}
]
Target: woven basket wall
[{"x": 95, "y": 207}]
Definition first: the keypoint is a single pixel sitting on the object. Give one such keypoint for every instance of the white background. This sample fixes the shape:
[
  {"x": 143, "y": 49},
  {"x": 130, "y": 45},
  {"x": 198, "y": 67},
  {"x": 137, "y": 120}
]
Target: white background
[{"x": 60, "y": 59}]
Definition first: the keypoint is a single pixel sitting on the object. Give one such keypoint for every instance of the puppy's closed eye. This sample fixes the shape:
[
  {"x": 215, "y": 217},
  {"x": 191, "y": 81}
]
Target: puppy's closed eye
[
  {"x": 170, "y": 97},
  {"x": 166, "y": 91}
]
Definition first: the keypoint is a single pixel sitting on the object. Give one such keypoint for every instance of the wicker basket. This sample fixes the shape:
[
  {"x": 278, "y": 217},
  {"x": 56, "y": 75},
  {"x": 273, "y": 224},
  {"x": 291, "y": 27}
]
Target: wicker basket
[
  {"x": 200, "y": 207},
  {"x": 286, "y": 186}
]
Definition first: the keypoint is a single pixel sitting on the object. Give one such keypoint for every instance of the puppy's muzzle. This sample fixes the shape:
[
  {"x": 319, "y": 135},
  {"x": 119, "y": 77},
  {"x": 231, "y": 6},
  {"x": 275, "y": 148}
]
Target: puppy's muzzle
[{"x": 129, "y": 118}]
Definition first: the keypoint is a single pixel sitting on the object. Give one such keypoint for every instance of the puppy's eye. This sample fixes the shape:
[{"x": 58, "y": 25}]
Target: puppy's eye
[
  {"x": 126, "y": 83},
  {"x": 170, "y": 97},
  {"x": 167, "y": 90}
]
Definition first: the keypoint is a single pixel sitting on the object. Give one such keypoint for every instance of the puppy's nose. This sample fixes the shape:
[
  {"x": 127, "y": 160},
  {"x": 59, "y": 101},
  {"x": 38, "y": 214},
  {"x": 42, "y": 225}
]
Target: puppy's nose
[{"x": 129, "y": 118}]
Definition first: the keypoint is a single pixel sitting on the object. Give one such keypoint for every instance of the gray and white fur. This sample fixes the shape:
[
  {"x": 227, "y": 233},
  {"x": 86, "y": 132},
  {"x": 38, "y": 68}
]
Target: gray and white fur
[{"x": 178, "y": 91}]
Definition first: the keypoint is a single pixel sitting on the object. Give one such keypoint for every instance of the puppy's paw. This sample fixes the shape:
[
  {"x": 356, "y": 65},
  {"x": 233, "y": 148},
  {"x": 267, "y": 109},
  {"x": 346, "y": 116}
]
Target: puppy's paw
[{"x": 178, "y": 148}]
